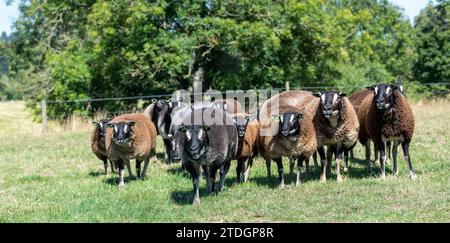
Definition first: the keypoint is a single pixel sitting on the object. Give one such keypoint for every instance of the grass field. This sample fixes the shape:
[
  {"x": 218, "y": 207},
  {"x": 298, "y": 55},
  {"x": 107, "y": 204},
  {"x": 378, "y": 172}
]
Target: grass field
[{"x": 55, "y": 178}]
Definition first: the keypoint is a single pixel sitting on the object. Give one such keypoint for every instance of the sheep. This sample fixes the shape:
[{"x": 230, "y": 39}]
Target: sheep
[
  {"x": 152, "y": 111},
  {"x": 385, "y": 115},
  {"x": 336, "y": 126},
  {"x": 230, "y": 105},
  {"x": 248, "y": 138},
  {"x": 290, "y": 134},
  {"x": 208, "y": 144},
  {"x": 133, "y": 136},
  {"x": 98, "y": 142}
]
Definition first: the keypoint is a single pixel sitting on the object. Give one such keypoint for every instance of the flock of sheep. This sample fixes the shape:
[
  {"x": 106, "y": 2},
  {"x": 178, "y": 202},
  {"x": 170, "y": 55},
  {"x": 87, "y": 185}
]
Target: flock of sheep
[{"x": 294, "y": 124}]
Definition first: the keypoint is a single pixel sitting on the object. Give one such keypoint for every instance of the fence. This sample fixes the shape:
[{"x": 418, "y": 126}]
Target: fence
[{"x": 159, "y": 96}]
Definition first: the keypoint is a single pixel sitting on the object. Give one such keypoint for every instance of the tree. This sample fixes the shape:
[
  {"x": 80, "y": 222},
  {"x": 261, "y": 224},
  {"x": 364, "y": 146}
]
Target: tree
[{"x": 433, "y": 43}]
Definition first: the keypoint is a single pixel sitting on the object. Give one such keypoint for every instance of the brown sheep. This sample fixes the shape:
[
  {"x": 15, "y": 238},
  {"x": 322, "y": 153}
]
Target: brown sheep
[
  {"x": 336, "y": 126},
  {"x": 247, "y": 141},
  {"x": 133, "y": 136},
  {"x": 98, "y": 142},
  {"x": 290, "y": 134},
  {"x": 385, "y": 115}
]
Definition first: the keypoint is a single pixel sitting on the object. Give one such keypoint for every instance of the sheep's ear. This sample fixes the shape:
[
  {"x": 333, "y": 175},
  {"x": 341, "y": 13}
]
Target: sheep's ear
[
  {"x": 206, "y": 128},
  {"x": 110, "y": 125},
  {"x": 182, "y": 129},
  {"x": 370, "y": 87},
  {"x": 342, "y": 94},
  {"x": 299, "y": 115},
  {"x": 154, "y": 100},
  {"x": 95, "y": 123},
  {"x": 317, "y": 94},
  {"x": 131, "y": 123}
]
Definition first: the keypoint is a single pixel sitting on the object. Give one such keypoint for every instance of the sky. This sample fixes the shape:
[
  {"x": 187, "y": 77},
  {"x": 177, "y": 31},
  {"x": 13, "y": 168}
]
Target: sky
[{"x": 8, "y": 14}]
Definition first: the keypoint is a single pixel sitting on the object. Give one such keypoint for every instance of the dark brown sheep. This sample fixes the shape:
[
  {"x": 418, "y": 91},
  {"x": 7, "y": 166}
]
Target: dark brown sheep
[
  {"x": 98, "y": 142},
  {"x": 131, "y": 136},
  {"x": 385, "y": 115},
  {"x": 247, "y": 144}
]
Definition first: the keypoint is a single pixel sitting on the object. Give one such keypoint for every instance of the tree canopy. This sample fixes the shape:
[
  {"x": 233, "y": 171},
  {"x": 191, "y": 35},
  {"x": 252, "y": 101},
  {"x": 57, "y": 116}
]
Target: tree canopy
[{"x": 66, "y": 50}]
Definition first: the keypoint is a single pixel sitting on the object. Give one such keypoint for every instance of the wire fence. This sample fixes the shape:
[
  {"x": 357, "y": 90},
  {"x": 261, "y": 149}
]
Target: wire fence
[{"x": 44, "y": 102}]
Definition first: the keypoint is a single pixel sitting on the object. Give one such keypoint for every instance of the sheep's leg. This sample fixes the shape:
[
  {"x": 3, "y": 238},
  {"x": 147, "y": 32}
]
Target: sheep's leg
[
  {"x": 405, "y": 146},
  {"x": 299, "y": 171},
  {"x": 346, "y": 161},
  {"x": 369, "y": 167},
  {"x": 376, "y": 151},
  {"x": 307, "y": 168},
  {"x": 105, "y": 164},
  {"x": 280, "y": 171},
  {"x": 388, "y": 153},
  {"x": 121, "y": 165},
  {"x": 247, "y": 168},
  {"x": 239, "y": 170},
  {"x": 339, "y": 153},
  {"x": 195, "y": 181},
  {"x": 330, "y": 152},
  {"x": 269, "y": 174},
  {"x": 352, "y": 156},
  {"x": 316, "y": 166},
  {"x": 130, "y": 173},
  {"x": 144, "y": 171},
  {"x": 323, "y": 161},
  {"x": 291, "y": 165},
  {"x": 382, "y": 149},
  {"x": 223, "y": 173},
  {"x": 166, "y": 151},
  {"x": 212, "y": 175},
  {"x": 394, "y": 155},
  {"x": 207, "y": 178},
  {"x": 138, "y": 168},
  {"x": 113, "y": 166}
]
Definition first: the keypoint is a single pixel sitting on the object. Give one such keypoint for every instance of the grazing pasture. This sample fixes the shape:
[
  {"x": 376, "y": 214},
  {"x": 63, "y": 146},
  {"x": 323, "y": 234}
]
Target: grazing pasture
[{"x": 56, "y": 178}]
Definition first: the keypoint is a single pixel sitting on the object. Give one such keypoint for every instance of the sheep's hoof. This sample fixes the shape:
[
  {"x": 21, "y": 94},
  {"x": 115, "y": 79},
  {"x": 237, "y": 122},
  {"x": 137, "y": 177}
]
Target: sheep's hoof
[
  {"x": 323, "y": 179},
  {"x": 383, "y": 176},
  {"x": 196, "y": 201},
  {"x": 388, "y": 161},
  {"x": 345, "y": 170},
  {"x": 298, "y": 184},
  {"x": 413, "y": 176},
  {"x": 281, "y": 186},
  {"x": 121, "y": 184},
  {"x": 339, "y": 179}
]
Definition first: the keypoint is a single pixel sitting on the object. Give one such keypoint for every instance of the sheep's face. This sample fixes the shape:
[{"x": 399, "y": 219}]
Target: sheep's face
[
  {"x": 122, "y": 131},
  {"x": 174, "y": 145},
  {"x": 289, "y": 123},
  {"x": 330, "y": 103},
  {"x": 197, "y": 140},
  {"x": 173, "y": 104},
  {"x": 241, "y": 125},
  {"x": 384, "y": 95},
  {"x": 101, "y": 126}
]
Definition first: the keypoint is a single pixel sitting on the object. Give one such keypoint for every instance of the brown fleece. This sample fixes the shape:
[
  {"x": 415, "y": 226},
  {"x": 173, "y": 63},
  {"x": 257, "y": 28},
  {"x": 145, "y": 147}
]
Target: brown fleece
[
  {"x": 142, "y": 142},
  {"x": 247, "y": 145},
  {"x": 98, "y": 144},
  {"x": 358, "y": 101},
  {"x": 398, "y": 120},
  {"x": 272, "y": 147},
  {"x": 346, "y": 131}
]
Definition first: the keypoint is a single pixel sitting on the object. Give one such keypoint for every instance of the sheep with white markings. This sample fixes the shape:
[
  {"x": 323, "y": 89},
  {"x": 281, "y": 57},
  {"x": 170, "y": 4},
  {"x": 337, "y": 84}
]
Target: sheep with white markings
[
  {"x": 208, "y": 139},
  {"x": 98, "y": 142},
  {"x": 131, "y": 136}
]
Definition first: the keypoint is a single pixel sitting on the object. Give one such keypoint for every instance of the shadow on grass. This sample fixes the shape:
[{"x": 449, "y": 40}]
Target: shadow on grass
[
  {"x": 96, "y": 173},
  {"x": 115, "y": 180}
]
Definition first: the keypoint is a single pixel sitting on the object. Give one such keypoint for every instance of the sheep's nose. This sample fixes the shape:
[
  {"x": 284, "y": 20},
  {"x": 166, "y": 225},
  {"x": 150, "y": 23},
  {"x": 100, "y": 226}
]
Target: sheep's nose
[{"x": 285, "y": 132}]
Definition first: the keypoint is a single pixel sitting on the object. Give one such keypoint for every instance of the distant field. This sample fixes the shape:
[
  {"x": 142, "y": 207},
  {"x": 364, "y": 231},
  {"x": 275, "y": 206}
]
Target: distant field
[{"x": 56, "y": 178}]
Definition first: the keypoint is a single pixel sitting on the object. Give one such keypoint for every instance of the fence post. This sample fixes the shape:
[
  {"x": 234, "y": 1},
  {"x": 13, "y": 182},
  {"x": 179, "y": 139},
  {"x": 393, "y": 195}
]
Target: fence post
[
  {"x": 287, "y": 86},
  {"x": 44, "y": 115}
]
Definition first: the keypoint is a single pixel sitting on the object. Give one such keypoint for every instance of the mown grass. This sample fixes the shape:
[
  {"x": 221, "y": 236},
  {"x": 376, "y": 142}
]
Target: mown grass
[{"x": 55, "y": 178}]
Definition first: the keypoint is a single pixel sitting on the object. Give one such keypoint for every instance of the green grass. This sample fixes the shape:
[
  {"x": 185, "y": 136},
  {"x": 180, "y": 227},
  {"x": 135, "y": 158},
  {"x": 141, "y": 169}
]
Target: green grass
[{"x": 56, "y": 178}]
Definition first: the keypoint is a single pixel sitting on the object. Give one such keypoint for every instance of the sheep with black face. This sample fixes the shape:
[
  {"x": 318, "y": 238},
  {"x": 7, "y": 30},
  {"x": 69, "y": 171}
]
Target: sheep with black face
[
  {"x": 98, "y": 142},
  {"x": 336, "y": 126},
  {"x": 386, "y": 116},
  {"x": 247, "y": 128},
  {"x": 286, "y": 130},
  {"x": 131, "y": 136},
  {"x": 207, "y": 139}
]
